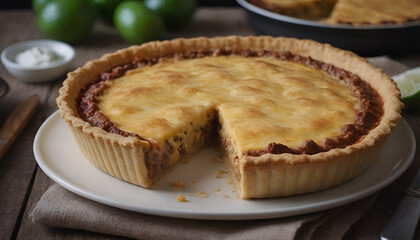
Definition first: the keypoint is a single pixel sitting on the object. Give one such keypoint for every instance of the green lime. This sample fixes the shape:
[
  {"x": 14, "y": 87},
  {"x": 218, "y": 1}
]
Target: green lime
[
  {"x": 66, "y": 20},
  {"x": 136, "y": 23},
  {"x": 37, "y": 5},
  {"x": 105, "y": 8},
  {"x": 409, "y": 84},
  {"x": 177, "y": 14}
]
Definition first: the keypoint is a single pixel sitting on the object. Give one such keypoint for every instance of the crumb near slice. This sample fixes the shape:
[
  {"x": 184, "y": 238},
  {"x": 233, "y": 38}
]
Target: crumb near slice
[
  {"x": 181, "y": 198},
  {"x": 178, "y": 185},
  {"x": 200, "y": 194},
  {"x": 220, "y": 173}
]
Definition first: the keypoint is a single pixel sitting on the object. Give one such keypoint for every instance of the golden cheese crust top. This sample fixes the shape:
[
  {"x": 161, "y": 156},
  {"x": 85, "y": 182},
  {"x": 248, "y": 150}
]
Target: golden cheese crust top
[{"x": 261, "y": 99}]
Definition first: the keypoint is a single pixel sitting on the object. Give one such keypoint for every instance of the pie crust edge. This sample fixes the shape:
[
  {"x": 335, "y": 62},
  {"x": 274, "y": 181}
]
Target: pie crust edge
[{"x": 269, "y": 175}]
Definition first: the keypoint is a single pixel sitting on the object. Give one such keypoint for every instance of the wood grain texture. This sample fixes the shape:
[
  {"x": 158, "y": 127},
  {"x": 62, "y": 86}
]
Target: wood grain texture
[
  {"x": 16, "y": 121},
  {"x": 16, "y": 173},
  {"x": 17, "y": 167},
  {"x": 22, "y": 183}
]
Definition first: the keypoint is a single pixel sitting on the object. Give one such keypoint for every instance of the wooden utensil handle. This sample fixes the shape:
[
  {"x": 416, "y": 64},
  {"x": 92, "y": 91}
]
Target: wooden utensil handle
[{"x": 16, "y": 122}]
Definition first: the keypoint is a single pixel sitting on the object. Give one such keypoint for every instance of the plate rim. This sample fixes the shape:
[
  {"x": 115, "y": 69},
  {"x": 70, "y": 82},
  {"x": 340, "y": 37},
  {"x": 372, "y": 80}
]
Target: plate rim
[{"x": 400, "y": 167}]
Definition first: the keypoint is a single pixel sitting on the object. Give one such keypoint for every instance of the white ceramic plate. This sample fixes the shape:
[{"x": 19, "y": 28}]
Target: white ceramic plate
[{"x": 59, "y": 157}]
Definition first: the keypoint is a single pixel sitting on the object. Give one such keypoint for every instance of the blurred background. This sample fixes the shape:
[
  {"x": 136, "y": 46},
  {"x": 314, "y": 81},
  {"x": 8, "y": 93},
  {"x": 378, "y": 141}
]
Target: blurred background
[{"x": 16, "y": 4}]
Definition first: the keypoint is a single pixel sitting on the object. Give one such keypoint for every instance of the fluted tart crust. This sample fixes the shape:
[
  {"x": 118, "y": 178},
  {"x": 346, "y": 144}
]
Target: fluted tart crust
[{"x": 294, "y": 116}]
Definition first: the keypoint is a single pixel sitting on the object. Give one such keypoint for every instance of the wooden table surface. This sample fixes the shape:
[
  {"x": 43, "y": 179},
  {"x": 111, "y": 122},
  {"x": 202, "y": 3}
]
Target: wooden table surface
[{"x": 22, "y": 183}]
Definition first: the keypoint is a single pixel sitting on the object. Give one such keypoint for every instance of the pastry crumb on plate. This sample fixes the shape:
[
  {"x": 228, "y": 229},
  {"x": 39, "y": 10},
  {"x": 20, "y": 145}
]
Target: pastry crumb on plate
[{"x": 181, "y": 198}]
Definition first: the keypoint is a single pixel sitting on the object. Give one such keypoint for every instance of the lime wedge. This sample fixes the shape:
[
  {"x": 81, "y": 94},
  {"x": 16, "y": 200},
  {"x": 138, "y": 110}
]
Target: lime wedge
[{"x": 409, "y": 84}]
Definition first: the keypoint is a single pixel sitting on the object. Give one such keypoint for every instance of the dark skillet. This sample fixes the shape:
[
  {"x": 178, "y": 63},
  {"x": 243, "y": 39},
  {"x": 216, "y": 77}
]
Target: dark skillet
[{"x": 364, "y": 40}]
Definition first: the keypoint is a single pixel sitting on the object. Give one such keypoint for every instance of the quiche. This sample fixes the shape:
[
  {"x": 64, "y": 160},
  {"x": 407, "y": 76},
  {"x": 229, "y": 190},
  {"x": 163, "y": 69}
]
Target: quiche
[
  {"x": 347, "y": 12},
  {"x": 294, "y": 116}
]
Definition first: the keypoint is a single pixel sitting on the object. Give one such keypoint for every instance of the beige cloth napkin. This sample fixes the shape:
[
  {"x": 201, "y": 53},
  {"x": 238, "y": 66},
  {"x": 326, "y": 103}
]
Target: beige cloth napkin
[{"x": 63, "y": 209}]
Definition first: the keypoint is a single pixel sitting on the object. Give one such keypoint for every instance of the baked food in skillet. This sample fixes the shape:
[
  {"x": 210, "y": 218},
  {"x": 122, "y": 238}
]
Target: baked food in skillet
[
  {"x": 347, "y": 12},
  {"x": 294, "y": 116}
]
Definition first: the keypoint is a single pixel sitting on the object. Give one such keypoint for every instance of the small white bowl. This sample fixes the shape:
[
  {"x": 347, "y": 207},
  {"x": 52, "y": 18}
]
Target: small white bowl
[{"x": 35, "y": 74}]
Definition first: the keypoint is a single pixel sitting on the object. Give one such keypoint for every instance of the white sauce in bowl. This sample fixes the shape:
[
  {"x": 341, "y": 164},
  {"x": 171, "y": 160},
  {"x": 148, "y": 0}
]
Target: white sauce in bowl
[{"x": 36, "y": 56}]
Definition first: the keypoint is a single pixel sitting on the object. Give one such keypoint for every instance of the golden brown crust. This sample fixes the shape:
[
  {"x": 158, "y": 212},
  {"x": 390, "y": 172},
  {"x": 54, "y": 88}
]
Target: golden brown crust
[{"x": 124, "y": 156}]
